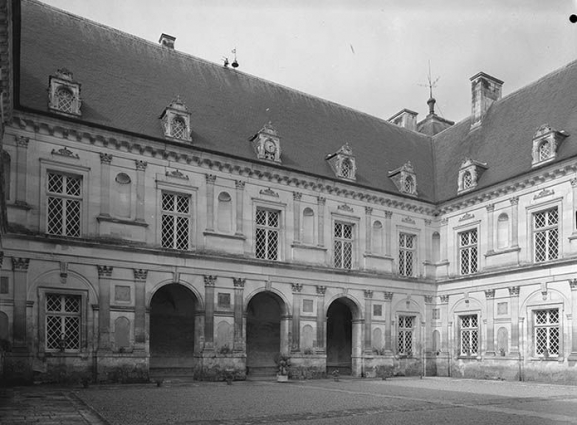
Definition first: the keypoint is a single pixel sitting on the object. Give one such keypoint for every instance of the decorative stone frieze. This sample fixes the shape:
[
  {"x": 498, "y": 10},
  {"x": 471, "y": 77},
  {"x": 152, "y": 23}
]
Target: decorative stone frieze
[{"x": 140, "y": 165}]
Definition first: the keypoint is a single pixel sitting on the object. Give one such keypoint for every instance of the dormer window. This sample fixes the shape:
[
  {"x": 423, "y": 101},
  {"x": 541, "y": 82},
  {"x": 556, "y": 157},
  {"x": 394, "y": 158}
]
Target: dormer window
[
  {"x": 64, "y": 93},
  {"x": 343, "y": 163},
  {"x": 405, "y": 179},
  {"x": 469, "y": 174},
  {"x": 176, "y": 121},
  {"x": 546, "y": 141},
  {"x": 266, "y": 143}
]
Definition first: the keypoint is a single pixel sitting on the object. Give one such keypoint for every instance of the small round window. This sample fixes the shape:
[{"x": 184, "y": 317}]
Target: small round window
[{"x": 123, "y": 178}]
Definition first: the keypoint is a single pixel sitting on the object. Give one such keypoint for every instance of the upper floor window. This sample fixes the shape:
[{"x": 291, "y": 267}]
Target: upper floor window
[
  {"x": 343, "y": 163},
  {"x": 175, "y": 221},
  {"x": 64, "y": 100},
  {"x": 175, "y": 121},
  {"x": 469, "y": 174},
  {"x": 64, "y": 210},
  {"x": 343, "y": 245},
  {"x": 546, "y": 235},
  {"x": 407, "y": 254},
  {"x": 405, "y": 335},
  {"x": 267, "y": 236},
  {"x": 64, "y": 93},
  {"x": 468, "y": 251},
  {"x": 546, "y": 142},
  {"x": 178, "y": 130},
  {"x": 469, "y": 335},
  {"x": 467, "y": 180},
  {"x": 405, "y": 179},
  {"x": 547, "y": 334},
  {"x": 63, "y": 317}
]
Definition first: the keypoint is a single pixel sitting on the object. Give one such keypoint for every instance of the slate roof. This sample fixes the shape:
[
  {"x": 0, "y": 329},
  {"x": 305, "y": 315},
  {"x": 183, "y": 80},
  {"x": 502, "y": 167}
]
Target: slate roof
[{"x": 127, "y": 82}]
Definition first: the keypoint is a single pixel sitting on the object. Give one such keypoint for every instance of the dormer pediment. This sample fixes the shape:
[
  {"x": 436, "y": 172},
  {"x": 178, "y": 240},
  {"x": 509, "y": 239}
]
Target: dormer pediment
[
  {"x": 175, "y": 121},
  {"x": 64, "y": 93},
  {"x": 343, "y": 163},
  {"x": 405, "y": 179},
  {"x": 469, "y": 174},
  {"x": 546, "y": 142},
  {"x": 266, "y": 143}
]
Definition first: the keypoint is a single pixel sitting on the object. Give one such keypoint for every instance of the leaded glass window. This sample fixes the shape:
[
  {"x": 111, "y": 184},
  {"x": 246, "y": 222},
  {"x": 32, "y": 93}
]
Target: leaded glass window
[
  {"x": 405, "y": 335},
  {"x": 64, "y": 100},
  {"x": 467, "y": 180},
  {"x": 409, "y": 185},
  {"x": 64, "y": 199},
  {"x": 63, "y": 322},
  {"x": 544, "y": 151},
  {"x": 175, "y": 221},
  {"x": 547, "y": 332},
  {"x": 468, "y": 251},
  {"x": 546, "y": 235},
  {"x": 407, "y": 254},
  {"x": 343, "y": 245},
  {"x": 469, "y": 335},
  {"x": 267, "y": 234},
  {"x": 178, "y": 128}
]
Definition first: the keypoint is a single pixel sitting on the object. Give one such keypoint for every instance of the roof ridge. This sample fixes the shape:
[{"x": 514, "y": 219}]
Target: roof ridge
[{"x": 214, "y": 64}]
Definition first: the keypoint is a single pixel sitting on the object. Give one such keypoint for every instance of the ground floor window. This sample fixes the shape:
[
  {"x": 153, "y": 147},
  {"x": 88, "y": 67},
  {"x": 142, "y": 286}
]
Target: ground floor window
[
  {"x": 547, "y": 333},
  {"x": 469, "y": 335},
  {"x": 63, "y": 322},
  {"x": 405, "y": 336}
]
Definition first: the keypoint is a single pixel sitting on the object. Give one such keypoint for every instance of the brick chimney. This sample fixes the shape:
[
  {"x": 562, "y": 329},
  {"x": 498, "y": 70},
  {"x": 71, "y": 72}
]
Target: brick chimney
[
  {"x": 405, "y": 118},
  {"x": 167, "y": 40},
  {"x": 484, "y": 91}
]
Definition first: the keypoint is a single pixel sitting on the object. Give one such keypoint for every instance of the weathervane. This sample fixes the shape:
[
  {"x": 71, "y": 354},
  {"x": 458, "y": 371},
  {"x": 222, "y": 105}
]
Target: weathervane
[
  {"x": 431, "y": 84},
  {"x": 234, "y": 62}
]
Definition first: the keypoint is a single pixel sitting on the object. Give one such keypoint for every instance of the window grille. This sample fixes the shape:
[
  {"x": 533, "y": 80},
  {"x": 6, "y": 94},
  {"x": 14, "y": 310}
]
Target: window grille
[
  {"x": 175, "y": 221},
  {"x": 267, "y": 234},
  {"x": 546, "y": 235},
  {"x": 544, "y": 151},
  {"x": 343, "y": 245},
  {"x": 407, "y": 251},
  {"x": 409, "y": 185},
  {"x": 468, "y": 251},
  {"x": 467, "y": 180},
  {"x": 64, "y": 204},
  {"x": 63, "y": 321},
  {"x": 346, "y": 168},
  {"x": 64, "y": 100},
  {"x": 547, "y": 335},
  {"x": 405, "y": 334},
  {"x": 469, "y": 333},
  {"x": 178, "y": 128}
]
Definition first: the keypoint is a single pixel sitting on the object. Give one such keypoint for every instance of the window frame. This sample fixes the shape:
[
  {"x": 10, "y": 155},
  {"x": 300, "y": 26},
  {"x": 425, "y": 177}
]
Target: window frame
[
  {"x": 461, "y": 330},
  {"x": 353, "y": 241},
  {"x": 403, "y": 331},
  {"x": 538, "y": 305},
  {"x": 468, "y": 248},
  {"x": 413, "y": 250},
  {"x": 175, "y": 215},
  {"x": 268, "y": 230},
  {"x": 176, "y": 188},
  {"x": 546, "y": 230}
]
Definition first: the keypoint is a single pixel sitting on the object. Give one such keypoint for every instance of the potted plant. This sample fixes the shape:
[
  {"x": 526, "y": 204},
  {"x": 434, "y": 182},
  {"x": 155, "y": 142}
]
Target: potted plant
[{"x": 283, "y": 364}]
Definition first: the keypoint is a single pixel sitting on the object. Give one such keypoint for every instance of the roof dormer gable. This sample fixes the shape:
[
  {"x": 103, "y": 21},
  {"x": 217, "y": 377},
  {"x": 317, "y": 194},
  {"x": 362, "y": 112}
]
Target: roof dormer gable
[
  {"x": 405, "y": 179},
  {"x": 546, "y": 142},
  {"x": 469, "y": 174},
  {"x": 266, "y": 143},
  {"x": 175, "y": 121},
  {"x": 64, "y": 93},
  {"x": 343, "y": 163}
]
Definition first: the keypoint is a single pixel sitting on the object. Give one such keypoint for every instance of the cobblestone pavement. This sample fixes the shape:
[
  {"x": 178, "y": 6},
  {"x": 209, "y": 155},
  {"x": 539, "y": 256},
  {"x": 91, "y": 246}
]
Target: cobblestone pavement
[{"x": 350, "y": 401}]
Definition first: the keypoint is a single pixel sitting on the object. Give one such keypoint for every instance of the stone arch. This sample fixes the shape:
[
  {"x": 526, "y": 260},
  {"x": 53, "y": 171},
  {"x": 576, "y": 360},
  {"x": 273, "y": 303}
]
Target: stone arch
[
  {"x": 350, "y": 301},
  {"x": 343, "y": 334},
  {"x": 186, "y": 284},
  {"x": 52, "y": 278},
  {"x": 461, "y": 305},
  {"x": 285, "y": 305}
]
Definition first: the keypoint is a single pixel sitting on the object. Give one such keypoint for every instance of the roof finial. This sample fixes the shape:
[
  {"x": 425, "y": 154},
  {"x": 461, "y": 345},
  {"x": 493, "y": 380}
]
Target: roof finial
[{"x": 431, "y": 84}]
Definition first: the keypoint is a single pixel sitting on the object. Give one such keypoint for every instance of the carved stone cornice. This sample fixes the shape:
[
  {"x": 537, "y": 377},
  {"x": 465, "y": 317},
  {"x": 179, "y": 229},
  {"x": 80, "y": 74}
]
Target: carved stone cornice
[
  {"x": 104, "y": 271},
  {"x": 321, "y": 290},
  {"x": 209, "y": 280},
  {"x": 140, "y": 165},
  {"x": 389, "y": 296},
  {"x": 140, "y": 274},
  {"x": 20, "y": 264},
  {"x": 238, "y": 282},
  {"x": 105, "y": 158}
]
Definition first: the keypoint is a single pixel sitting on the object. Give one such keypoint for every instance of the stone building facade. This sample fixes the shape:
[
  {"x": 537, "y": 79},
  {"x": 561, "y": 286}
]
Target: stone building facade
[{"x": 211, "y": 231}]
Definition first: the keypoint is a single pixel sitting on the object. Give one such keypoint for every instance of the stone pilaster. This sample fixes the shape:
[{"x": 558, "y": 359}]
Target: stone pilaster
[
  {"x": 209, "y": 282},
  {"x": 444, "y": 240},
  {"x": 388, "y": 323},
  {"x": 140, "y": 188},
  {"x": 21, "y": 170},
  {"x": 140, "y": 276},
  {"x": 444, "y": 323},
  {"x": 514, "y": 221},
  {"x": 296, "y": 324},
  {"x": 368, "y": 229},
  {"x": 105, "y": 160},
  {"x": 388, "y": 233},
  {"x": 297, "y": 196},
  {"x": 427, "y": 336},
  {"x": 490, "y": 318},
  {"x": 19, "y": 335},
  {"x": 210, "y": 180},
  {"x": 104, "y": 275},
  {"x": 239, "y": 345},
  {"x": 239, "y": 206},
  {"x": 573, "y": 285},
  {"x": 321, "y": 318},
  {"x": 368, "y": 344},
  {"x": 321, "y": 220},
  {"x": 514, "y": 303},
  {"x": 490, "y": 227}
]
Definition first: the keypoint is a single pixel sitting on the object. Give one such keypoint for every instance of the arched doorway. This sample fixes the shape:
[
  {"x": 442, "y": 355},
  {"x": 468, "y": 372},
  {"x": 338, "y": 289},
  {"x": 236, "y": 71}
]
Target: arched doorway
[
  {"x": 263, "y": 333},
  {"x": 172, "y": 313},
  {"x": 339, "y": 338}
]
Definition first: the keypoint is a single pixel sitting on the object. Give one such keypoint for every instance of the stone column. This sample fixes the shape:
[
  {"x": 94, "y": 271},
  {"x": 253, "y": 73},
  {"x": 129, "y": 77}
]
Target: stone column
[
  {"x": 369, "y": 228},
  {"x": 209, "y": 282},
  {"x": 490, "y": 227},
  {"x": 368, "y": 321},
  {"x": 140, "y": 276},
  {"x": 19, "y": 335},
  {"x": 105, "y": 160},
  {"x": 321, "y": 319},
  {"x": 490, "y": 320},
  {"x": 444, "y": 323},
  {"x": 296, "y": 325},
  {"x": 21, "y": 170},
  {"x": 297, "y": 196},
  {"x": 514, "y": 302},
  {"x": 388, "y": 323},
  {"x": 210, "y": 179},
  {"x": 514, "y": 222},
  {"x": 388, "y": 233},
  {"x": 321, "y": 217},
  {"x": 239, "y": 342},
  {"x": 104, "y": 274},
  {"x": 428, "y": 319},
  {"x": 140, "y": 189},
  {"x": 239, "y": 206},
  {"x": 573, "y": 285}
]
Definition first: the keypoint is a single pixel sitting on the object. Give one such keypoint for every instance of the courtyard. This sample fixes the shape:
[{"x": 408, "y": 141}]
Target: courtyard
[{"x": 348, "y": 401}]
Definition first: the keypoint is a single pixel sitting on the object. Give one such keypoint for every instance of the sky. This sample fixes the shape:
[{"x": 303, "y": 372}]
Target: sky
[{"x": 370, "y": 55}]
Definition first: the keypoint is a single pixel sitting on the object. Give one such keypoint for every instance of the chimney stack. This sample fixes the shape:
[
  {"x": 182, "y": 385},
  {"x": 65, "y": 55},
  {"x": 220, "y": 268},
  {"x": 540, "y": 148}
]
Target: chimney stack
[
  {"x": 484, "y": 91},
  {"x": 405, "y": 118},
  {"x": 167, "y": 41}
]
